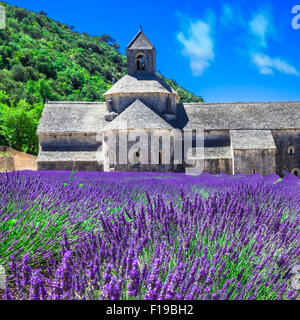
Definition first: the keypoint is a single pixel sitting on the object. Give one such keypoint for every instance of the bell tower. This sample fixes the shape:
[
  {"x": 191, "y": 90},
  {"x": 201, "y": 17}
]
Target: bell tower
[{"x": 140, "y": 55}]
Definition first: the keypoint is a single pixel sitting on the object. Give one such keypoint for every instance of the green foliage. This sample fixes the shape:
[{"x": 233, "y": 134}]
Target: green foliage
[
  {"x": 4, "y": 154},
  {"x": 18, "y": 126},
  {"x": 44, "y": 59},
  {"x": 4, "y": 97}
]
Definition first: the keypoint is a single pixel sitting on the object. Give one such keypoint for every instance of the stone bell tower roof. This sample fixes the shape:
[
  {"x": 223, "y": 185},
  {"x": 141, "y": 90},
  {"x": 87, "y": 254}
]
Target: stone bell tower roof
[{"x": 140, "y": 42}]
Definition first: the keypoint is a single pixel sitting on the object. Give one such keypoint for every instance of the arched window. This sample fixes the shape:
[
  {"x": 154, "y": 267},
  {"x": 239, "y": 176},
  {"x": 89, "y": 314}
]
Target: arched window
[
  {"x": 140, "y": 63},
  {"x": 291, "y": 150},
  {"x": 296, "y": 172},
  {"x": 254, "y": 170}
]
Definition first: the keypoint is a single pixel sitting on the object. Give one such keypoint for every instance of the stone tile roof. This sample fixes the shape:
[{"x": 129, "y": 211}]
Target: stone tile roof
[
  {"x": 140, "y": 41},
  {"x": 140, "y": 83},
  {"x": 139, "y": 116},
  {"x": 88, "y": 117},
  {"x": 71, "y": 117},
  {"x": 211, "y": 153},
  {"x": 56, "y": 156},
  {"x": 252, "y": 139},
  {"x": 222, "y": 116}
]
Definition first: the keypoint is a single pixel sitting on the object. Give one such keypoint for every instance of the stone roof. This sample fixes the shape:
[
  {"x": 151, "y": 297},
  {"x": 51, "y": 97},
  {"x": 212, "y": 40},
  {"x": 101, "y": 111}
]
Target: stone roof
[
  {"x": 138, "y": 116},
  {"x": 252, "y": 139},
  {"x": 88, "y": 117},
  {"x": 140, "y": 41},
  {"x": 71, "y": 117},
  {"x": 63, "y": 156},
  {"x": 222, "y": 116},
  {"x": 140, "y": 83},
  {"x": 211, "y": 153}
]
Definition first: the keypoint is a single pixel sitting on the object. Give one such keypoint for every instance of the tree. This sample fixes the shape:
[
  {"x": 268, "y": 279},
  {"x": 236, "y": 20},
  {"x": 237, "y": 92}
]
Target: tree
[
  {"x": 4, "y": 97},
  {"x": 42, "y": 13},
  {"x": 107, "y": 38},
  {"x": 19, "y": 73},
  {"x": 44, "y": 64},
  {"x": 18, "y": 126},
  {"x": 116, "y": 46}
]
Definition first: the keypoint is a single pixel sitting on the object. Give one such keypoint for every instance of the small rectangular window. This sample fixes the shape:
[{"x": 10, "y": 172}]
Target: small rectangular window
[{"x": 160, "y": 158}]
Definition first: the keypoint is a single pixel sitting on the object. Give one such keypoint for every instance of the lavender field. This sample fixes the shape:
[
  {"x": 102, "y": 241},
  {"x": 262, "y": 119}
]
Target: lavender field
[{"x": 148, "y": 236}]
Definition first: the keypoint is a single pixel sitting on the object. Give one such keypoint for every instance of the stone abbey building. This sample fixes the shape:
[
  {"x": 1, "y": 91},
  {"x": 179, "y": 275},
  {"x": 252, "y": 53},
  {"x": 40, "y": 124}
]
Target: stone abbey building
[{"x": 238, "y": 137}]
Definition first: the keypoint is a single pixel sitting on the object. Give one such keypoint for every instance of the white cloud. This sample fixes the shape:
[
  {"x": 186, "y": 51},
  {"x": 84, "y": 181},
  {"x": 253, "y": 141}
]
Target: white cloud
[
  {"x": 267, "y": 65},
  {"x": 198, "y": 45},
  {"x": 197, "y": 39},
  {"x": 260, "y": 27}
]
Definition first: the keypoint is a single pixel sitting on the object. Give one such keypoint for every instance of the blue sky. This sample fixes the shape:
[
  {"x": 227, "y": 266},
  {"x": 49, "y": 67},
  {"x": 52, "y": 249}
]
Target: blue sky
[{"x": 222, "y": 50}]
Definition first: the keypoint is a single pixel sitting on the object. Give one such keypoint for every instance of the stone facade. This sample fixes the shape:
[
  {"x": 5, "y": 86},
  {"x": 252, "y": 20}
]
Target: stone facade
[
  {"x": 287, "y": 161},
  {"x": 249, "y": 161},
  {"x": 244, "y": 138},
  {"x": 218, "y": 166},
  {"x": 70, "y": 165},
  {"x": 71, "y": 160},
  {"x": 69, "y": 142}
]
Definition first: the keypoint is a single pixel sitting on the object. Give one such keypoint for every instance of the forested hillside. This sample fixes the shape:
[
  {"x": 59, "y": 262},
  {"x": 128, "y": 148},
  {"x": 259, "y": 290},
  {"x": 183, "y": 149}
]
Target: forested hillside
[{"x": 45, "y": 59}]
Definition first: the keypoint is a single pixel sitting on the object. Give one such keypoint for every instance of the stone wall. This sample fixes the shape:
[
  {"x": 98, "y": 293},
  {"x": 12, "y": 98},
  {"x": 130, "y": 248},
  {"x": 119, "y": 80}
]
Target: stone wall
[
  {"x": 7, "y": 163},
  {"x": 212, "y": 166},
  {"x": 69, "y": 142},
  {"x": 218, "y": 166},
  {"x": 285, "y": 163},
  {"x": 151, "y": 168},
  {"x": 262, "y": 160},
  {"x": 70, "y": 165}
]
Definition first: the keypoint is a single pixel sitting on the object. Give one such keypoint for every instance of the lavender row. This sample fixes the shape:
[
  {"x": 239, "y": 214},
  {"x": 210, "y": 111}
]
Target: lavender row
[{"x": 148, "y": 236}]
